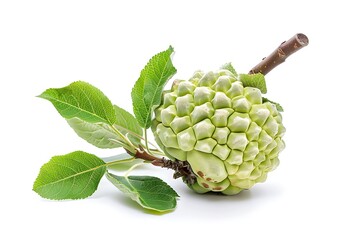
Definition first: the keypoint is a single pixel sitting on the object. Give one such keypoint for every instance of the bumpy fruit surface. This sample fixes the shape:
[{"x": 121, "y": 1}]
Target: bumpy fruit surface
[{"x": 228, "y": 134}]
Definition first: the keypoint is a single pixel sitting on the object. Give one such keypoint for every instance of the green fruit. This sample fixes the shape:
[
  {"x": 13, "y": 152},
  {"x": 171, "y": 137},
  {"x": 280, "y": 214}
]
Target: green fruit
[{"x": 226, "y": 132}]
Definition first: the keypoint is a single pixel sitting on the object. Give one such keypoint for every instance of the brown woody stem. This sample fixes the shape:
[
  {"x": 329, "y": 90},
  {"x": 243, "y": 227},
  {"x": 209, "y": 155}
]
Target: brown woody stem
[
  {"x": 181, "y": 168},
  {"x": 280, "y": 54},
  {"x": 142, "y": 154}
]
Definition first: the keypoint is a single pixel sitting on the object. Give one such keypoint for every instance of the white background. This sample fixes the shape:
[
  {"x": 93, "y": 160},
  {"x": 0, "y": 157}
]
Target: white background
[{"x": 314, "y": 192}]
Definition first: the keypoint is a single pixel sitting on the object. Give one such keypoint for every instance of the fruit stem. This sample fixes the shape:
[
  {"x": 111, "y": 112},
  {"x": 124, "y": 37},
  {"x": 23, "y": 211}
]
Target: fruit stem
[
  {"x": 280, "y": 54},
  {"x": 181, "y": 168},
  {"x": 144, "y": 155}
]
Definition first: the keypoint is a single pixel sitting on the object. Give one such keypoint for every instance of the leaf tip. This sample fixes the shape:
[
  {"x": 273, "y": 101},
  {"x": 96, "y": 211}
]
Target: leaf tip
[
  {"x": 43, "y": 94},
  {"x": 228, "y": 66},
  {"x": 277, "y": 105}
]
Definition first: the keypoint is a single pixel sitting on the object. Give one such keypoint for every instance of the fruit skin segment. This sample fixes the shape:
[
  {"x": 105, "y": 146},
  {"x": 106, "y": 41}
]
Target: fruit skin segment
[{"x": 226, "y": 132}]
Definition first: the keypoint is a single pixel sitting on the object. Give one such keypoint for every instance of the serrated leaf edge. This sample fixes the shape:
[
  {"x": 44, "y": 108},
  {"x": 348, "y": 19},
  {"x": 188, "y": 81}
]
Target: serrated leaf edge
[
  {"x": 35, "y": 188},
  {"x": 46, "y": 96},
  {"x": 145, "y": 121},
  {"x": 228, "y": 66},
  {"x": 82, "y": 110},
  {"x": 263, "y": 88},
  {"x": 277, "y": 105},
  {"x": 135, "y": 194}
]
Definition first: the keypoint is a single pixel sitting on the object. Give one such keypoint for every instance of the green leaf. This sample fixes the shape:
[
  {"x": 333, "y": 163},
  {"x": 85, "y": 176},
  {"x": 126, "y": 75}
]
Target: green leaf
[
  {"x": 229, "y": 67},
  {"x": 100, "y": 135},
  {"x": 128, "y": 125},
  {"x": 72, "y": 176},
  {"x": 150, "y": 192},
  {"x": 81, "y": 100},
  {"x": 277, "y": 105},
  {"x": 254, "y": 80},
  {"x": 146, "y": 93}
]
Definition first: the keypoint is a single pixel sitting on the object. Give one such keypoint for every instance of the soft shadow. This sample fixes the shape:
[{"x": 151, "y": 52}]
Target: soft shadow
[
  {"x": 215, "y": 196},
  {"x": 129, "y": 203},
  {"x": 218, "y": 206},
  {"x": 257, "y": 192}
]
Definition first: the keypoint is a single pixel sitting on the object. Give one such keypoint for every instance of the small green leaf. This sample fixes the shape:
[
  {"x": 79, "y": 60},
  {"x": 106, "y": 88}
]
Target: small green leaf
[
  {"x": 254, "y": 80},
  {"x": 72, "y": 176},
  {"x": 128, "y": 125},
  {"x": 100, "y": 135},
  {"x": 150, "y": 192},
  {"x": 277, "y": 105},
  {"x": 229, "y": 67},
  {"x": 81, "y": 100},
  {"x": 146, "y": 93}
]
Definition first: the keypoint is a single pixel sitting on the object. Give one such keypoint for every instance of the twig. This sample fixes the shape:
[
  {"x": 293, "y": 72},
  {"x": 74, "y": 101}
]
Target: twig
[
  {"x": 142, "y": 154},
  {"x": 280, "y": 54},
  {"x": 181, "y": 168}
]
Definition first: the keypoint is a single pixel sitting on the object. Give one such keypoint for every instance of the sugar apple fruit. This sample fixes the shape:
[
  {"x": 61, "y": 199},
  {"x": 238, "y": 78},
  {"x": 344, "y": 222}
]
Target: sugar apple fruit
[{"x": 229, "y": 134}]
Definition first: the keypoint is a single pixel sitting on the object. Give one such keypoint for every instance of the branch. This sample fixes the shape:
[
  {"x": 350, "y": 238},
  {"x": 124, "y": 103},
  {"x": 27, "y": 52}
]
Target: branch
[
  {"x": 181, "y": 168},
  {"x": 280, "y": 54},
  {"x": 142, "y": 154}
]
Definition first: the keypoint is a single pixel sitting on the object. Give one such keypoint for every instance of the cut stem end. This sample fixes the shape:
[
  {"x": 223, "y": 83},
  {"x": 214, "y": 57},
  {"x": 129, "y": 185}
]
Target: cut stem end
[{"x": 279, "y": 55}]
